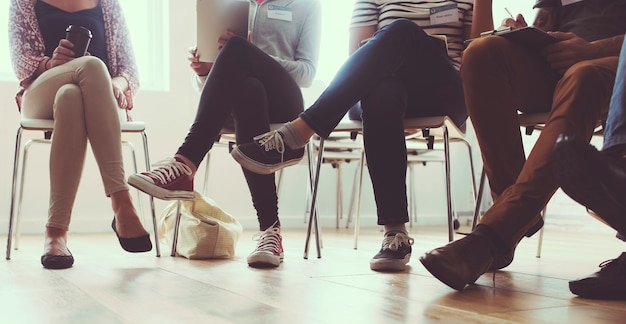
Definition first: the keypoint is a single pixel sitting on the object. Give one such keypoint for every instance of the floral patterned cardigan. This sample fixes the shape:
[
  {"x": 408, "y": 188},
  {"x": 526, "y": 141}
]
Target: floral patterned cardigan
[{"x": 27, "y": 47}]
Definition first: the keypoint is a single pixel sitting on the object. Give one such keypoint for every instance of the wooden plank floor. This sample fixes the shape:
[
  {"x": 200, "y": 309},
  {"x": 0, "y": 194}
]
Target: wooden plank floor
[{"x": 107, "y": 285}]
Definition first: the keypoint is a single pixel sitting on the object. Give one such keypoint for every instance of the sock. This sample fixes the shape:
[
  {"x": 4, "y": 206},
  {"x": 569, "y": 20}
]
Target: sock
[
  {"x": 496, "y": 243},
  {"x": 291, "y": 137},
  {"x": 396, "y": 228}
]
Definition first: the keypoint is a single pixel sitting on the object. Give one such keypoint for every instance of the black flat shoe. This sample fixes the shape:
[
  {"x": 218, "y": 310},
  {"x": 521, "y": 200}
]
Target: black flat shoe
[
  {"x": 50, "y": 261},
  {"x": 133, "y": 244}
]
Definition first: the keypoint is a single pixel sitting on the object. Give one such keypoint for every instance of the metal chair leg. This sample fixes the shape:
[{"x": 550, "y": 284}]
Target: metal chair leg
[
  {"x": 479, "y": 199},
  {"x": 133, "y": 155},
  {"x": 176, "y": 228},
  {"x": 446, "y": 149},
  {"x": 357, "y": 221},
  {"x": 540, "y": 243},
  {"x": 16, "y": 160},
  {"x": 353, "y": 193},
  {"x": 313, "y": 219},
  {"x": 338, "y": 197},
  {"x": 144, "y": 138}
]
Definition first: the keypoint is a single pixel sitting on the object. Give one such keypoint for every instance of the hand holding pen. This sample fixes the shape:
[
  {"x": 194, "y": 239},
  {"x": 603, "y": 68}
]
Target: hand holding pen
[{"x": 514, "y": 22}]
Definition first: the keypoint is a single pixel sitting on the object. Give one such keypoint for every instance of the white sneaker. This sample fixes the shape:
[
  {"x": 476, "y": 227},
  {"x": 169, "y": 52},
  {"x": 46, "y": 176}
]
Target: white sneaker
[{"x": 269, "y": 249}]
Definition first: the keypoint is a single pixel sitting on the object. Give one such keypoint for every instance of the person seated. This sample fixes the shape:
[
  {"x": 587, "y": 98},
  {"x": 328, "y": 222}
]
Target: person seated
[
  {"x": 257, "y": 82},
  {"x": 396, "y": 70},
  {"x": 597, "y": 180},
  {"x": 572, "y": 79},
  {"x": 87, "y": 97}
]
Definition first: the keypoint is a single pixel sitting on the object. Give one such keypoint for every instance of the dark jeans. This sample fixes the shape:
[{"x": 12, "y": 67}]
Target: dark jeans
[
  {"x": 256, "y": 90},
  {"x": 615, "y": 130},
  {"x": 401, "y": 72}
]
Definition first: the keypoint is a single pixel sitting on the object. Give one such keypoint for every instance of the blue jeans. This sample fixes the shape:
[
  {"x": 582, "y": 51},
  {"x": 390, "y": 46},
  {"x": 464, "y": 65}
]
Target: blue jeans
[
  {"x": 615, "y": 130},
  {"x": 401, "y": 72}
]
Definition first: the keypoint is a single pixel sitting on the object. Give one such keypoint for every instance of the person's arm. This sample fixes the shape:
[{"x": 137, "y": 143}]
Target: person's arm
[
  {"x": 25, "y": 42},
  {"x": 572, "y": 49},
  {"x": 358, "y": 35},
  {"x": 546, "y": 18},
  {"x": 482, "y": 19},
  {"x": 304, "y": 65},
  {"x": 122, "y": 60}
]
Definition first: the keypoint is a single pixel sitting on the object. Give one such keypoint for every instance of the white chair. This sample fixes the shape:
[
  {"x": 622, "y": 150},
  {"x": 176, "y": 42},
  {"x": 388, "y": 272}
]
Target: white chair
[{"x": 47, "y": 126}]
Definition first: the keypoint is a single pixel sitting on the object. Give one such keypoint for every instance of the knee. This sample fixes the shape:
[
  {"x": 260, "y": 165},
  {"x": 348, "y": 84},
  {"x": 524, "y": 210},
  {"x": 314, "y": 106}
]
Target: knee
[
  {"x": 481, "y": 53},
  {"x": 68, "y": 98},
  {"x": 235, "y": 44},
  {"x": 92, "y": 65},
  {"x": 68, "y": 95},
  {"x": 403, "y": 28},
  {"x": 585, "y": 75},
  {"x": 400, "y": 25}
]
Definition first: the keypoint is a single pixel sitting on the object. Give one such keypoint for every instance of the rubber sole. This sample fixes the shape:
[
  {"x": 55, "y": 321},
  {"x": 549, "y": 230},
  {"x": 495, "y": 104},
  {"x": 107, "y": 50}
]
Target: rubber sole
[{"x": 158, "y": 192}]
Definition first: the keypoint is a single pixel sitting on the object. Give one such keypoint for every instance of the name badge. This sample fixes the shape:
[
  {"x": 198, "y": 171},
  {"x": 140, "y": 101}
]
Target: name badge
[
  {"x": 444, "y": 14},
  {"x": 280, "y": 13},
  {"x": 569, "y": 2}
]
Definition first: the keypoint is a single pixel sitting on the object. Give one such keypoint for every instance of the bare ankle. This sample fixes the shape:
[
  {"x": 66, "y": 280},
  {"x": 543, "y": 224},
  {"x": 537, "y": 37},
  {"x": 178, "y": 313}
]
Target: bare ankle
[{"x": 54, "y": 232}]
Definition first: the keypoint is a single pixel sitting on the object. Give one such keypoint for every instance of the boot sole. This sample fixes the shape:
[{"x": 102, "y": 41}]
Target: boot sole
[
  {"x": 261, "y": 168},
  {"x": 158, "y": 192}
]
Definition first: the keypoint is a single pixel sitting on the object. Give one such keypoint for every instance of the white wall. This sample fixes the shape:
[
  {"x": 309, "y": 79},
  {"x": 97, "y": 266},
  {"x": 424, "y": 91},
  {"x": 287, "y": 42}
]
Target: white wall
[{"x": 168, "y": 115}]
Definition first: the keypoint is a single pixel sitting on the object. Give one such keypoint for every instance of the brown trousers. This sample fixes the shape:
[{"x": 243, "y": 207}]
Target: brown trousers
[{"x": 500, "y": 78}]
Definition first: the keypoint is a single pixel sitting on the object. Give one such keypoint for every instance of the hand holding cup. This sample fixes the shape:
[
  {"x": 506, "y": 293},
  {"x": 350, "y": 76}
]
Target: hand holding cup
[{"x": 80, "y": 37}]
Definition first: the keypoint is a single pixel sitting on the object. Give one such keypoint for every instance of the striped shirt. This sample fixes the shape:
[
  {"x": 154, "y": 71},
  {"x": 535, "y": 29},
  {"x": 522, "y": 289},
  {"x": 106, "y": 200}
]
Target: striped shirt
[{"x": 382, "y": 12}]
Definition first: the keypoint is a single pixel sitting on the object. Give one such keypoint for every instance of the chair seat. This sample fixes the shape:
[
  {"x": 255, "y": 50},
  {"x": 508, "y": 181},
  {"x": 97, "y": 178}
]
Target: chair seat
[
  {"x": 435, "y": 125},
  {"x": 48, "y": 125}
]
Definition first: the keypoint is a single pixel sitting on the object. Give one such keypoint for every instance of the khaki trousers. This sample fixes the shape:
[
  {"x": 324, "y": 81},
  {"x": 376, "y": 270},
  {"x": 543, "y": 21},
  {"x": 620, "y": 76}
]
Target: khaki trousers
[{"x": 78, "y": 95}]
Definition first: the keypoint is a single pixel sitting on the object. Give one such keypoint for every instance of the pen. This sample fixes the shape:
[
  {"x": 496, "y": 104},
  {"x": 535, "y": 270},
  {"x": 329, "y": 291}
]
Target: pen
[{"x": 509, "y": 13}]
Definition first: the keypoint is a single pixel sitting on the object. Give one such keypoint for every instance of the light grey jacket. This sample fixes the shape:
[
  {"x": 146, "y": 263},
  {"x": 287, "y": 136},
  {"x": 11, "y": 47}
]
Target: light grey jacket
[
  {"x": 294, "y": 44},
  {"x": 292, "y": 41}
]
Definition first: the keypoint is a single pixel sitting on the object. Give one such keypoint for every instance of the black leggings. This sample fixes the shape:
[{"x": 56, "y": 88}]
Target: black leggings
[{"x": 256, "y": 90}]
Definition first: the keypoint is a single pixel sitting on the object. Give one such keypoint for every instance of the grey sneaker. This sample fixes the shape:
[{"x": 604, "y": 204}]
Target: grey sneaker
[
  {"x": 394, "y": 254},
  {"x": 266, "y": 154}
]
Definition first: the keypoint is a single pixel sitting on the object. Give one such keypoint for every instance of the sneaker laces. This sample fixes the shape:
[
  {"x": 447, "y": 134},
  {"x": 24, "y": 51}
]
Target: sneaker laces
[
  {"x": 394, "y": 242},
  {"x": 611, "y": 263},
  {"x": 269, "y": 240},
  {"x": 271, "y": 141},
  {"x": 169, "y": 169}
]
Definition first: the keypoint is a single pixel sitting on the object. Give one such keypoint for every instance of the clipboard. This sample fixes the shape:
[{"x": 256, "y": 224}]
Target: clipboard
[
  {"x": 213, "y": 18},
  {"x": 529, "y": 36}
]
